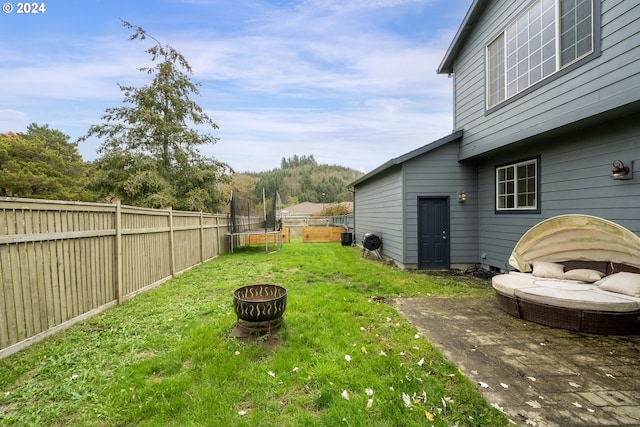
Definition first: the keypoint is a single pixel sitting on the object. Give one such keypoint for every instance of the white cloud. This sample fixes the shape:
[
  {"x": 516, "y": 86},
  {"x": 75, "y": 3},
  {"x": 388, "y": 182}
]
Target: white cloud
[
  {"x": 323, "y": 77},
  {"x": 363, "y": 139}
]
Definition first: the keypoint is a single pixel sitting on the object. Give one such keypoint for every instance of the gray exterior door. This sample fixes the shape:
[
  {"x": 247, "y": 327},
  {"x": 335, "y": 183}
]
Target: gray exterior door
[{"x": 433, "y": 234}]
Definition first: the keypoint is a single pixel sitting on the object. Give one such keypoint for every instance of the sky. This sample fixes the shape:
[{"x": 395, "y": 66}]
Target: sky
[{"x": 351, "y": 82}]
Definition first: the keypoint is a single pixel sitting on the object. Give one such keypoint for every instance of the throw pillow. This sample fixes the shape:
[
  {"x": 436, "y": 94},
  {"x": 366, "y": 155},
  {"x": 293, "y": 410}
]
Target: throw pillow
[
  {"x": 622, "y": 283},
  {"x": 549, "y": 270},
  {"x": 584, "y": 275}
]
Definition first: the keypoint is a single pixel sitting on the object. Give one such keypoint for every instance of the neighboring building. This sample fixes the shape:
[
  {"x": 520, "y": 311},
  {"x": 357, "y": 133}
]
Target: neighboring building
[
  {"x": 305, "y": 208},
  {"x": 546, "y": 99}
]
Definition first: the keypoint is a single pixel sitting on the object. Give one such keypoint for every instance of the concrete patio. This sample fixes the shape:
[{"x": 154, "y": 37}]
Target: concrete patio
[{"x": 537, "y": 375}]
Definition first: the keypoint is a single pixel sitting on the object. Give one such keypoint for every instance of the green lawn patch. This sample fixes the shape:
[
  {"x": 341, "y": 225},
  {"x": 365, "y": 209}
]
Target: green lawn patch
[{"x": 343, "y": 357}]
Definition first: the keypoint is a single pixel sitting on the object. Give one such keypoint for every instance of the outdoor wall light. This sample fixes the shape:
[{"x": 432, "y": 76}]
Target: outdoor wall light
[
  {"x": 620, "y": 171},
  {"x": 462, "y": 196}
]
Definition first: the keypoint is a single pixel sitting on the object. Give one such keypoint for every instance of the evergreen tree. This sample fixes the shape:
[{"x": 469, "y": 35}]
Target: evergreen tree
[
  {"x": 43, "y": 164},
  {"x": 157, "y": 124}
]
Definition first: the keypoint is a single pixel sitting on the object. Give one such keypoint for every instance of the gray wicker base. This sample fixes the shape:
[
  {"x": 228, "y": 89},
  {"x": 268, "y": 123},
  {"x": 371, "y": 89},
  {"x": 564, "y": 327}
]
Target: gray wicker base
[{"x": 593, "y": 322}]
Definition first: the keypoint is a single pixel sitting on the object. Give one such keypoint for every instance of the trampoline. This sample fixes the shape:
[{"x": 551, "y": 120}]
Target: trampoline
[{"x": 242, "y": 226}]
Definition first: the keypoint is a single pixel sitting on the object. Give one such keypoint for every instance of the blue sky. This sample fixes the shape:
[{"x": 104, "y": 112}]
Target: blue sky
[{"x": 351, "y": 82}]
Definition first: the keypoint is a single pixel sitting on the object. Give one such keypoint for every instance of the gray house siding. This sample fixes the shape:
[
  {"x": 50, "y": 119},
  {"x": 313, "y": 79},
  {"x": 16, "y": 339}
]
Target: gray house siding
[
  {"x": 438, "y": 174},
  {"x": 604, "y": 83},
  {"x": 378, "y": 210},
  {"x": 575, "y": 178},
  {"x": 575, "y": 123}
]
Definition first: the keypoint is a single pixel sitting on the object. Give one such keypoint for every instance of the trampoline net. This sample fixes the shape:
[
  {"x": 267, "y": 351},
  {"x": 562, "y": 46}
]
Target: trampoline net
[{"x": 244, "y": 218}]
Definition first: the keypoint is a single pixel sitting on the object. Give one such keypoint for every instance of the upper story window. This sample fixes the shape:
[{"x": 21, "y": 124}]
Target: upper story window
[
  {"x": 517, "y": 186},
  {"x": 549, "y": 36}
]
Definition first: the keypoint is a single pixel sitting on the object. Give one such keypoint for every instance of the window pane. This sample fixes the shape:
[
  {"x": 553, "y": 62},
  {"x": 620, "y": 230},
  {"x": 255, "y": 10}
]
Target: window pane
[
  {"x": 531, "y": 169},
  {"x": 523, "y": 82},
  {"x": 526, "y": 185},
  {"x": 577, "y": 29},
  {"x": 531, "y": 31},
  {"x": 495, "y": 84},
  {"x": 502, "y": 202},
  {"x": 522, "y": 200},
  {"x": 536, "y": 74},
  {"x": 536, "y": 42},
  {"x": 548, "y": 34},
  {"x": 548, "y": 18},
  {"x": 584, "y": 46},
  {"x": 568, "y": 40},
  {"x": 527, "y": 50},
  {"x": 535, "y": 12},
  {"x": 583, "y": 10},
  {"x": 510, "y": 202},
  {"x": 516, "y": 186},
  {"x": 535, "y": 59}
]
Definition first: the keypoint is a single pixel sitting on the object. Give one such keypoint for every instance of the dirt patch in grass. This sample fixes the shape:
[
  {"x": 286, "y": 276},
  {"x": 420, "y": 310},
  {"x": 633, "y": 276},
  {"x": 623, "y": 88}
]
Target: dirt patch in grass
[{"x": 268, "y": 339}]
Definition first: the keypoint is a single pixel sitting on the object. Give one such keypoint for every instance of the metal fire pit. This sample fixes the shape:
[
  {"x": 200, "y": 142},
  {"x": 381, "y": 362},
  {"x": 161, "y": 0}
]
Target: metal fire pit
[{"x": 260, "y": 307}]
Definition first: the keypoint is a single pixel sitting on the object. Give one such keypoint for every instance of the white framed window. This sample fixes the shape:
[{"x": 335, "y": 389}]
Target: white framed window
[
  {"x": 549, "y": 36},
  {"x": 517, "y": 186}
]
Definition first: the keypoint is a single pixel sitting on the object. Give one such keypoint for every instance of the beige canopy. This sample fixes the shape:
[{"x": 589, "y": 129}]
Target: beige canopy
[{"x": 576, "y": 237}]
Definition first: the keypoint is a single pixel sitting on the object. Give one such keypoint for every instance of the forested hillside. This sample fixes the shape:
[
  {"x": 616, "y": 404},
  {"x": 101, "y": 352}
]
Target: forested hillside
[
  {"x": 299, "y": 179},
  {"x": 43, "y": 163}
]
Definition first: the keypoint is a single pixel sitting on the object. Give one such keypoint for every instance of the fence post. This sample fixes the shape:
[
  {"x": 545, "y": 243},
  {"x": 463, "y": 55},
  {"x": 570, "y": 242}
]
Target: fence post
[
  {"x": 218, "y": 243},
  {"x": 201, "y": 237},
  {"x": 172, "y": 244},
  {"x": 118, "y": 252}
]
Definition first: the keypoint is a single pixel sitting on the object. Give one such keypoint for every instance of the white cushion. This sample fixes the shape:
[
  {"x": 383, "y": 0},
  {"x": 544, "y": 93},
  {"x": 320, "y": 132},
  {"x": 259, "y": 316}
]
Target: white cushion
[
  {"x": 508, "y": 283},
  {"x": 584, "y": 275},
  {"x": 549, "y": 270},
  {"x": 580, "y": 299},
  {"x": 622, "y": 283},
  {"x": 564, "y": 285}
]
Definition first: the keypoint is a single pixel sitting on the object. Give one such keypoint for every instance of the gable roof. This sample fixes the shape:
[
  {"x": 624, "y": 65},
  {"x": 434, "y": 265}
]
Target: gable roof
[
  {"x": 304, "y": 208},
  {"x": 455, "y": 136},
  {"x": 446, "y": 66}
]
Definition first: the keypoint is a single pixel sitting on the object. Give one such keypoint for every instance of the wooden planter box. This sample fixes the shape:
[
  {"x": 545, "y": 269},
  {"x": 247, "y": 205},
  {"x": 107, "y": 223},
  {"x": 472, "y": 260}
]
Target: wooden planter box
[
  {"x": 258, "y": 239},
  {"x": 321, "y": 234}
]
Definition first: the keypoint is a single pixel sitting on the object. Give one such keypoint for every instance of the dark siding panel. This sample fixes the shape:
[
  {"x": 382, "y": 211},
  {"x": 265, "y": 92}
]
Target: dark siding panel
[
  {"x": 438, "y": 174},
  {"x": 378, "y": 209},
  {"x": 575, "y": 178},
  {"x": 609, "y": 81}
]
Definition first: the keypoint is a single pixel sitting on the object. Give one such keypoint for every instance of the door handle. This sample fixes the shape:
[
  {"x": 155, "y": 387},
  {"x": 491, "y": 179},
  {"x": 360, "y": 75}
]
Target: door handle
[{"x": 444, "y": 235}]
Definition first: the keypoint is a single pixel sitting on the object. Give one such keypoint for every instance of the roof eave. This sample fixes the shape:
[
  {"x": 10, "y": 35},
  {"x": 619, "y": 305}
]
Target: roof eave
[
  {"x": 408, "y": 156},
  {"x": 446, "y": 66}
]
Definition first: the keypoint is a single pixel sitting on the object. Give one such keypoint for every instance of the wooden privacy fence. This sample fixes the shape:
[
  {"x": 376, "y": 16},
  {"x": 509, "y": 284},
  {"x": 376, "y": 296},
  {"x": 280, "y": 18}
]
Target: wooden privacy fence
[{"x": 61, "y": 262}]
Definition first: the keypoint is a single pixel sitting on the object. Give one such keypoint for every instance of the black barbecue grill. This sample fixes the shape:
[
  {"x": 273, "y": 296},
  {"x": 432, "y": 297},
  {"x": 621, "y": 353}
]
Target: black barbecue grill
[{"x": 371, "y": 243}]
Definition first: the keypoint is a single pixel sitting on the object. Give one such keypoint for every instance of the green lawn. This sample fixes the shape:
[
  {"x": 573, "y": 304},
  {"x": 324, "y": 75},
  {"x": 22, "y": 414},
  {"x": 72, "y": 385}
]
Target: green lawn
[{"x": 344, "y": 357}]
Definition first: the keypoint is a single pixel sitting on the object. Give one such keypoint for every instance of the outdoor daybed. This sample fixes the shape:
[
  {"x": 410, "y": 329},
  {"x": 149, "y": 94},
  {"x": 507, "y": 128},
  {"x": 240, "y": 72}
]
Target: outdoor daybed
[{"x": 577, "y": 272}]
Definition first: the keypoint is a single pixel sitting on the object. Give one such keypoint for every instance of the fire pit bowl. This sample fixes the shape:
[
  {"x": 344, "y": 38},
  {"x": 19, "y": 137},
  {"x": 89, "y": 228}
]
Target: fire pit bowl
[{"x": 260, "y": 303}]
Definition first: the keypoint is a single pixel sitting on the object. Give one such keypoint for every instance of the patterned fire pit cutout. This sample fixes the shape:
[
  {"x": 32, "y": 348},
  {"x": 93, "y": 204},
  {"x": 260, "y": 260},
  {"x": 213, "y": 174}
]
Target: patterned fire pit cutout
[{"x": 260, "y": 303}]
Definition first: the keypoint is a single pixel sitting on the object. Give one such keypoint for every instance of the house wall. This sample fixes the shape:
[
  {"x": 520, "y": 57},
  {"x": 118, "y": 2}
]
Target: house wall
[
  {"x": 608, "y": 81},
  {"x": 575, "y": 178},
  {"x": 438, "y": 174},
  {"x": 378, "y": 210}
]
